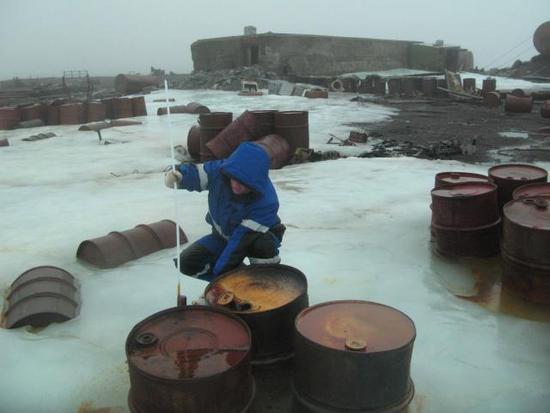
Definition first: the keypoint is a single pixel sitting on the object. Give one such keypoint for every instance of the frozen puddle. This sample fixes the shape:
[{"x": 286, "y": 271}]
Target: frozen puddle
[{"x": 514, "y": 134}]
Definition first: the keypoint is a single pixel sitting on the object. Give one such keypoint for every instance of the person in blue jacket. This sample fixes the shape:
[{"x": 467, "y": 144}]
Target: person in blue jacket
[{"x": 242, "y": 210}]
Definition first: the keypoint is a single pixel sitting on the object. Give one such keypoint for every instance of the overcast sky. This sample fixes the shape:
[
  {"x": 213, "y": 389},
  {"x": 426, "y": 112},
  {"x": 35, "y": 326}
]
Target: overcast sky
[{"x": 45, "y": 37}]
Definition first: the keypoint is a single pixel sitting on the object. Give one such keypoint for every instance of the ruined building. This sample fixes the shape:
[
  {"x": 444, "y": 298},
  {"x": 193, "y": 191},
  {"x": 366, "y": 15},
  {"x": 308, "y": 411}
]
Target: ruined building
[{"x": 310, "y": 55}]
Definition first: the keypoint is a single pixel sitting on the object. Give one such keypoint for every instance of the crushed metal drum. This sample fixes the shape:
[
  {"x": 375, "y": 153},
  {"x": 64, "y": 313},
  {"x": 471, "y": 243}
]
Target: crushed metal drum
[
  {"x": 119, "y": 247},
  {"x": 316, "y": 94},
  {"x": 173, "y": 109},
  {"x": 194, "y": 142},
  {"x": 211, "y": 124},
  {"x": 525, "y": 247},
  {"x": 532, "y": 190},
  {"x": 509, "y": 177},
  {"x": 244, "y": 128},
  {"x": 277, "y": 149},
  {"x": 40, "y": 296},
  {"x": 267, "y": 298},
  {"x": 465, "y": 220},
  {"x": 518, "y": 104},
  {"x": 138, "y": 106},
  {"x": 192, "y": 359},
  {"x": 354, "y": 357},
  {"x": 443, "y": 179}
]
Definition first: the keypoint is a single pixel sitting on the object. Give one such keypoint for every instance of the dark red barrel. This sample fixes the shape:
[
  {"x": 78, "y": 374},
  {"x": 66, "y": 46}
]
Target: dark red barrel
[
  {"x": 349, "y": 84},
  {"x": 211, "y": 124},
  {"x": 492, "y": 99},
  {"x": 469, "y": 84},
  {"x": 196, "y": 107},
  {"x": 173, "y": 109},
  {"x": 192, "y": 359},
  {"x": 532, "y": 190},
  {"x": 316, "y": 94},
  {"x": 108, "y": 107},
  {"x": 53, "y": 117},
  {"x": 293, "y": 126},
  {"x": 518, "y": 104},
  {"x": 72, "y": 114},
  {"x": 407, "y": 87},
  {"x": 353, "y": 356},
  {"x": 488, "y": 85},
  {"x": 9, "y": 117},
  {"x": 379, "y": 86},
  {"x": 442, "y": 83},
  {"x": 394, "y": 87},
  {"x": 265, "y": 120},
  {"x": 545, "y": 109},
  {"x": 429, "y": 86},
  {"x": 445, "y": 179},
  {"x": 194, "y": 142},
  {"x": 267, "y": 297},
  {"x": 244, "y": 128},
  {"x": 277, "y": 148},
  {"x": 31, "y": 112},
  {"x": 509, "y": 177},
  {"x": 96, "y": 111},
  {"x": 122, "y": 108},
  {"x": 465, "y": 220},
  {"x": 138, "y": 106},
  {"x": 525, "y": 246}
]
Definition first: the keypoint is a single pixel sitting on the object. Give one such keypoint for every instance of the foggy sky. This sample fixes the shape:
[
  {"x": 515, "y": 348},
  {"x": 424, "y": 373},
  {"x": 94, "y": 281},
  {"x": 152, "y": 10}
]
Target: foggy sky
[{"x": 45, "y": 37}]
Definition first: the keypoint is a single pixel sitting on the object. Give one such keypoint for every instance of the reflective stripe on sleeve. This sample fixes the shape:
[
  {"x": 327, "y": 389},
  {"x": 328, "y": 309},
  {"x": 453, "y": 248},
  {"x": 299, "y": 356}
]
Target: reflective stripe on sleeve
[
  {"x": 254, "y": 226},
  {"x": 203, "y": 177}
]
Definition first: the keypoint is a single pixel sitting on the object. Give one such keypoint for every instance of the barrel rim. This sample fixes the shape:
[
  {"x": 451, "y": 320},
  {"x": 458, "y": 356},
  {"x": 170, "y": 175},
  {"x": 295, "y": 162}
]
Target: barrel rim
[
  {"x": 463, "y": 196},
  {"x": 294, "y": 270},
  {"x": 493, "y": 168},
  {"x": 516, "y": 223},
  {"x": 351, "y": 353},
  {"x": 516, "y": 196},
  {"x": 131, "y": 334}
]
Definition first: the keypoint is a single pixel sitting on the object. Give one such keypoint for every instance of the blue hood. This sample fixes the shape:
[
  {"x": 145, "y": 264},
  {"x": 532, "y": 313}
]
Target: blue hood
[{"x": 248, "y": 164}]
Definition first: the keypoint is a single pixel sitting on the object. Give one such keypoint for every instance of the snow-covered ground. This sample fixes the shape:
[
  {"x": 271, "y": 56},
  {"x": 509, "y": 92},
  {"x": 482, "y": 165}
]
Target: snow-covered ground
[{"x": 358, "y": 228}]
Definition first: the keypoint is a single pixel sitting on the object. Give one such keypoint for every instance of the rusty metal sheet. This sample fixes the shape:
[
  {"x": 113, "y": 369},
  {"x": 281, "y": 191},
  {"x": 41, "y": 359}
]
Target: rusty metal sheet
[
  {"x": 116, "y": 248},
  {"x": 40, "y": 296}
]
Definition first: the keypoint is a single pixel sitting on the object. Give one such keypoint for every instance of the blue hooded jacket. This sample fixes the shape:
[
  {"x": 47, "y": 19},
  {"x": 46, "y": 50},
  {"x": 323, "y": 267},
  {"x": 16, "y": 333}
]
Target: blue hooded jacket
[{"x": 233, "y": 216}]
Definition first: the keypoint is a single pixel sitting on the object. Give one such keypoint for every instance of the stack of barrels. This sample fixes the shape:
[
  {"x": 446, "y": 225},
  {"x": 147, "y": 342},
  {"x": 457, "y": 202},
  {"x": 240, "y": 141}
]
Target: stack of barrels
[
  {"x": 468, "y": 210},
  {"x": 214, "y": 358},
  {"x": 279, "y": 133}
]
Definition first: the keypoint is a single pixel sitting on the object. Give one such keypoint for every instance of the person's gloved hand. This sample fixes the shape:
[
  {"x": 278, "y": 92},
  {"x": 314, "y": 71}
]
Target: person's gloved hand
[{"x": 172, "y": 177}]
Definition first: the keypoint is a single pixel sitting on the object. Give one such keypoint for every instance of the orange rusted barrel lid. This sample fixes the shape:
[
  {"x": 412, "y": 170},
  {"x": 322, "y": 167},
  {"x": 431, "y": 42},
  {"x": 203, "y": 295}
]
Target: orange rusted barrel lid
[
  {"x": 358, "y": 326},
  {"x": 532, "y": 190},
  {"x": 257, "y": 288},
  {"x": 188, "y": 342},
  {"x": 517, "y": 172}
]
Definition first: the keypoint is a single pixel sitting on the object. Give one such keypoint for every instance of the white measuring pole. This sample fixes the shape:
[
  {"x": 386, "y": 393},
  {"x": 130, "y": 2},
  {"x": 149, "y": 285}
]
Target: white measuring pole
[{"x": 175, "y": 184}]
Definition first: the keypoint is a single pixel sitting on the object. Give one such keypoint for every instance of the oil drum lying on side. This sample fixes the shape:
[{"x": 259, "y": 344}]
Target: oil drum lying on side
[
  {"x": 40, "y": 296},
  {"x": 525, "y": 246},
  {"x": 173, "y": 109},
  {"x": 277, "y": 149},
  {"x": 191, "y": 359},
  {"x": 465, "y": 220},
  {"x": 509, "y": 177},
  {"x": 268, "y": 298},
  {"x": 119, "y": 247},
  {"x": 445, "y": 179},
  {"x": 196, "y": 108},
  {"x": 518, "y": 104},
  {"x": 211, "y": 125},
  {"x": 244, "y": 128},
  {"x": 353, "y": 357}
]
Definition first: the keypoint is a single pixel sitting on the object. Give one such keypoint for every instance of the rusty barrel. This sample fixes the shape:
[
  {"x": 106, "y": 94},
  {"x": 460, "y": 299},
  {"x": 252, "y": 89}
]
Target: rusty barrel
[
  {"x": 407, "y": 87},
  {"x": 465, "y": 220},
  {"x": 353, "y": 356},
  {"x": 244, "y": 128},
  {"x": 9, "y": 117},
  {"x": 211, "y": 124},
  {"x": 532, "y": 190},
  {"x": 293, "y": 126},
  {"x": 96, "y": 111},
  {"x": 194, "y": 142},
  {"x": 488, "y": 85},
  {"x": 72, "y": 114},
  {"x": 138, "y": 106},
  {"x": 509, "y": 177},
  {"x": 108, "y": 107},
  {"x": 525, "y": 247},
  {"x": 429, "y": 86},
  {"x": 192, "y": 359},
  {"x": 173, "y": 109},
  {"x": 545, "y": 109},
  {"x": 277, "y": 149},
  {"x": 394, "y": 87},
  {"x": 379, "y": 86},
  {"x": 54, "y": 113},
  {"x": 267, "y": 298},
  {"x": 32, "y": 112},
  {"x": 196, "y": 108},
  {"x": 469, "y": 84},
  {"x": 492, "y": 99},
  {"x": 40, "y": 296},
  {"x": 445, "y": 179},
  {"x": 316, "y": 94},
  {"x": 518, "y": 104},
  {"x": 265, "y": 120},
  {"x": 443, "y": 84},
  {"x": 122, "y": 108}
]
